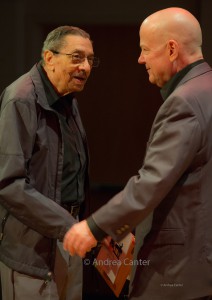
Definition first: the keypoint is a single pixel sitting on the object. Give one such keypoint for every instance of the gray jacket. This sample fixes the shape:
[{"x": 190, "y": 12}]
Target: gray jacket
[
  {"x": 31, "y": 162},
  {"x": 174, "y": 190}
]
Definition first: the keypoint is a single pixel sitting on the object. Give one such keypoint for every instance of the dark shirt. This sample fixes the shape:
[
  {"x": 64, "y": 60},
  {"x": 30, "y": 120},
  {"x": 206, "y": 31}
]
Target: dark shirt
[
  {"x": 74, "y": 156},
  {"x": 167, "y": 89}
]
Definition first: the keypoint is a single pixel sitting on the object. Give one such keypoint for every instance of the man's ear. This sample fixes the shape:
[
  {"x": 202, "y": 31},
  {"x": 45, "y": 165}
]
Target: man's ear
[
  {"x": 173, "y": 50},
  {"x": 48, "y": 57}
]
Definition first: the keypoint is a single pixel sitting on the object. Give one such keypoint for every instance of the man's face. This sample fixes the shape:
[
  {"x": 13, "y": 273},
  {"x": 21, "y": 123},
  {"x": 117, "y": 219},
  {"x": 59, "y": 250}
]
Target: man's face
[
  {"x": 66, "y": 72},
  {"x": 155, "y": 56}
]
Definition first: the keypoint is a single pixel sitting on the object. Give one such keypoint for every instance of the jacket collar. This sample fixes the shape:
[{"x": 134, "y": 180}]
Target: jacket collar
[
  {"x": 177, "y": 79},
  {"x": 39, "y": 88}
]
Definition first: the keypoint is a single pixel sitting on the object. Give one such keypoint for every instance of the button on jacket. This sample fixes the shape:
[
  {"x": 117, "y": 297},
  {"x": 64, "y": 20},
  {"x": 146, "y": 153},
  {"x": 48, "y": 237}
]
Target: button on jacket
[{"x": 31, "y": 164}]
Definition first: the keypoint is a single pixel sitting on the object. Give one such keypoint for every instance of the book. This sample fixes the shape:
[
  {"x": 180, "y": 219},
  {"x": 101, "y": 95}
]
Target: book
[{"x": 114, "y": 262}]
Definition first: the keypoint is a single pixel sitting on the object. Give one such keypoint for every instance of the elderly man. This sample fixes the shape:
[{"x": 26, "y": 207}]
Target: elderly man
[
  {"x": 171, "y": 195},
  {"x": 44, "y": 170}
]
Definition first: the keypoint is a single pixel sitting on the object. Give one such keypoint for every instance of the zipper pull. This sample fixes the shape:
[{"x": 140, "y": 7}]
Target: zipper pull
[
  {"x": 45, "y": 283},
  {"x": 2, "y": 225}
]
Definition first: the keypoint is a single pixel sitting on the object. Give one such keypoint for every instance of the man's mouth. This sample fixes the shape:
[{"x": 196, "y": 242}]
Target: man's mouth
[{"x": 80, "y": 78}]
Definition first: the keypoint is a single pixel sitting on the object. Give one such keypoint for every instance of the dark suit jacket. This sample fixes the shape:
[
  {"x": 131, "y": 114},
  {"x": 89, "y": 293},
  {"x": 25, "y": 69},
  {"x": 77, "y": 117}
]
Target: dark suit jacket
[{"x": 174, "y": 190}]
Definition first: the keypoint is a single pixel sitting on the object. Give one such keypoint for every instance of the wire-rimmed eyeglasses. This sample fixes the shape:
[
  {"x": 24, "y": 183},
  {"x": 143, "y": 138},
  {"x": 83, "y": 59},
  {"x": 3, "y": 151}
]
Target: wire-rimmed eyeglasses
[{"x": 78, "y": 58}]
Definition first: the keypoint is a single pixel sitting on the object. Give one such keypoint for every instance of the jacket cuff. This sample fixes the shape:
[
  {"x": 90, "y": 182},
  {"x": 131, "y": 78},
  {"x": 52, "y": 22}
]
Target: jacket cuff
[{"x": 97, "y": 232}]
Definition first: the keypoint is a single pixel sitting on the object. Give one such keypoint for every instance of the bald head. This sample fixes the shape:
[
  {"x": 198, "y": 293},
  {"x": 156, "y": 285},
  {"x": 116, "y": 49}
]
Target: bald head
[
  {"x": 177, "y": 24},
  {"x": 170, "y": 39}
]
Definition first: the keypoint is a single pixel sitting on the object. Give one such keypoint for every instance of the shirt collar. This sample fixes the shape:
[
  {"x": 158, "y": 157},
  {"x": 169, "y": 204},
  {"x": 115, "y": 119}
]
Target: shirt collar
[{"x": 169, "y": 87}]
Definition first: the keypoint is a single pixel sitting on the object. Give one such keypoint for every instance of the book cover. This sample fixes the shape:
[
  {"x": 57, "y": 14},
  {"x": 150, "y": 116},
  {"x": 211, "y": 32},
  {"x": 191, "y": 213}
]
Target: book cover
[{"x": 114, "y": 262}]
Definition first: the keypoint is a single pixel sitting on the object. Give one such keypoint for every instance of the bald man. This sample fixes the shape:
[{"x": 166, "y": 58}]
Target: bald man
[{"x": 170, "y": 200}]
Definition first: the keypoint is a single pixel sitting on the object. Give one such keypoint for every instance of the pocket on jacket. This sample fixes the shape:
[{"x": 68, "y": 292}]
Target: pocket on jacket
[{"x": 170, "y": 236}]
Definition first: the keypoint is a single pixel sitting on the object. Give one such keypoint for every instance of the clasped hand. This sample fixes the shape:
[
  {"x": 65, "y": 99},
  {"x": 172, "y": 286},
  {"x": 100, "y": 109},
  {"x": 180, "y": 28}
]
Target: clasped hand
[{"x": 79, "y": 239}]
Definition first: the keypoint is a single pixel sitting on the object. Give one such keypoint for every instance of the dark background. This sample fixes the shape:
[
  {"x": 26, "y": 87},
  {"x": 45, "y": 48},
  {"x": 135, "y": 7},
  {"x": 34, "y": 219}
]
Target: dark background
[{"x": 118, "y": 103}]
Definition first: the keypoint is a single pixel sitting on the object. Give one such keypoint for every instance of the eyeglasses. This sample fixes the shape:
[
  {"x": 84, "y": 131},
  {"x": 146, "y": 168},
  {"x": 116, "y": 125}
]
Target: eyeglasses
[{"x": 77, "y": 58}]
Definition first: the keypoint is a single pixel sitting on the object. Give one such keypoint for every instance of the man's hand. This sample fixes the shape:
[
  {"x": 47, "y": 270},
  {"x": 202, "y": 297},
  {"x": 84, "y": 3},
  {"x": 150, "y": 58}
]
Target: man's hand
[{"x": 79, "y": 239}]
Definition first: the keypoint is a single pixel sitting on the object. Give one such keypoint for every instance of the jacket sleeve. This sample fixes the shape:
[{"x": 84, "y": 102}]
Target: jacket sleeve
[
  {"x": 18, "y": 124},
  {"x": 174, "y": 141}
]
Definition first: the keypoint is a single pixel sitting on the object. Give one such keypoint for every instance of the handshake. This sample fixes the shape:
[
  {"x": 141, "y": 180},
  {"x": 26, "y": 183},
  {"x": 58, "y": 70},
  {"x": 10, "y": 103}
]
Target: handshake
[{"x": 79, "y": 239}]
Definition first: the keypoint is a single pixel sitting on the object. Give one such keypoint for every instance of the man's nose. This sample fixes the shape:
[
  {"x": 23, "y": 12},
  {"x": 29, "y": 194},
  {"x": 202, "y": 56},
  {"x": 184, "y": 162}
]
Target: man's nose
[{"x": 141, "y": 59}]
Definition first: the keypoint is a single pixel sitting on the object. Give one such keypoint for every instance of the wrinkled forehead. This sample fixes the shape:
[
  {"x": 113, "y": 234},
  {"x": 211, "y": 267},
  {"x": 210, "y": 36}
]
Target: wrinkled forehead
[{"x": 78, "y": 43}]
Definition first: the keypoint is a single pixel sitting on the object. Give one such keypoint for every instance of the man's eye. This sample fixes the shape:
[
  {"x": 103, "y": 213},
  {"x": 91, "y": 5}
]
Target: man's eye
[
  {"x": 76, "y": 56},
  {"x": 91, "y": 59},
  {"x": 145, "y": 50}
]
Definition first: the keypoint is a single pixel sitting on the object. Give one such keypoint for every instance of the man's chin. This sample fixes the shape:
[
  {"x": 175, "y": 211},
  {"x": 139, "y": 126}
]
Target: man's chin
[
  {"x": 151, "y": 80},
  {"x": 78, "y": 88}
]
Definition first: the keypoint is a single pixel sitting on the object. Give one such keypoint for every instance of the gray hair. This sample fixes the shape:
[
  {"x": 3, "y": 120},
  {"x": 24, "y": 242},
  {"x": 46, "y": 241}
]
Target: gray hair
[{"x": 55, "y": 39}]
